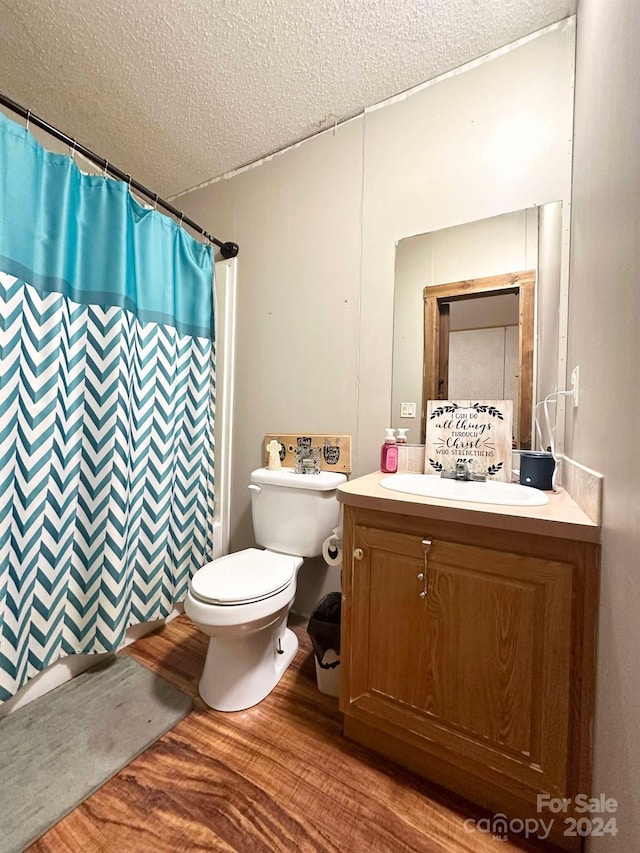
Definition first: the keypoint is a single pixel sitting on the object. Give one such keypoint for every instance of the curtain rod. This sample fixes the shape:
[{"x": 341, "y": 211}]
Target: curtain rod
[{"x": 227, "y": 250}]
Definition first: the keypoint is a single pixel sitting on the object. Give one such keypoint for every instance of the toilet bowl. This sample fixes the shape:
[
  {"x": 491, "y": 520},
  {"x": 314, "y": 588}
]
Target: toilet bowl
[{"x": 242, "y": 601}]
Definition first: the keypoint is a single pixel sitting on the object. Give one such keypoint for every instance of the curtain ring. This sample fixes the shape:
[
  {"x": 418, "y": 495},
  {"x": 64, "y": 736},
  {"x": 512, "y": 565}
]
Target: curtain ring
[
  {"x": 72, "y": 149},
  {"x": 181, "y": 218},
  {"x": 155, "y": 202},
  {"x": 26, "y": 127},
  {"x": 129, "y": 183},
  {"x": 105, "y": 168}
]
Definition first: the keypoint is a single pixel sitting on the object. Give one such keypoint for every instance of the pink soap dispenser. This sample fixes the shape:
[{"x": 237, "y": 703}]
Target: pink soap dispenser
[{"x": 389, "y": 453}]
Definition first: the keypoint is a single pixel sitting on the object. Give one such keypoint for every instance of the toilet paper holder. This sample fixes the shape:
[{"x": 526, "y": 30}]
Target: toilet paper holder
[
  {"x": 332, "y": 549},
  {"x": 332, "y": 545},
  {"x": 335, "y": 546}
]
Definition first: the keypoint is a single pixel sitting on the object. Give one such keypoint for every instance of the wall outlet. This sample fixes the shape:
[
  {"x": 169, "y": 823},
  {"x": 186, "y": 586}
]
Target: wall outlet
[
  {"x": 407, "y": 410},
  {"x": 575, "y": 384}
]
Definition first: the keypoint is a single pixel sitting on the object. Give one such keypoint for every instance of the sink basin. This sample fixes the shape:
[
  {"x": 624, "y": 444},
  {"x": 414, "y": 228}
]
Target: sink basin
[{"x": 489, "y": 492}]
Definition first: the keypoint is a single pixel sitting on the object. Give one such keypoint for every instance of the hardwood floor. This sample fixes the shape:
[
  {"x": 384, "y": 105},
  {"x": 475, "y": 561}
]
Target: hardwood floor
[{"x": 278, "y": 777}]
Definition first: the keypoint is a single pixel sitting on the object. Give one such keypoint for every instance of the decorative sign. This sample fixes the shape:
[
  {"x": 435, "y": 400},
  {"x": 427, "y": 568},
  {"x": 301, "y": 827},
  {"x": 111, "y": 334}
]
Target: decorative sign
[
  {"x": 333, "y": 452},
  {"x": 477, "y": 434}
]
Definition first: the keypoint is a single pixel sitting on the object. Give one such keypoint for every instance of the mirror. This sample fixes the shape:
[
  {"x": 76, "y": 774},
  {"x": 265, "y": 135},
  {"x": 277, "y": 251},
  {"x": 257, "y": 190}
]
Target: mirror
[{"x": 476, "y": 315}]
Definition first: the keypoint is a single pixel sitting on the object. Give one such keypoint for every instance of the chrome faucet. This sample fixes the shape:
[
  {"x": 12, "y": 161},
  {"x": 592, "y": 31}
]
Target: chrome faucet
[{"x": 462, "y": 471}]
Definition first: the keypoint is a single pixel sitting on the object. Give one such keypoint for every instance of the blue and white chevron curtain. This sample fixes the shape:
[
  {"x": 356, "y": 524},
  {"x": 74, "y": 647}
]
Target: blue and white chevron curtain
[{"x": 106, "y": 410}]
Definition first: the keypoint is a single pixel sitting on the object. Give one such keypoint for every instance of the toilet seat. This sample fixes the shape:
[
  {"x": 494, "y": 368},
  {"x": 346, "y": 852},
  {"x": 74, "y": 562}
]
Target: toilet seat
[{"x": 244, "y": 577}]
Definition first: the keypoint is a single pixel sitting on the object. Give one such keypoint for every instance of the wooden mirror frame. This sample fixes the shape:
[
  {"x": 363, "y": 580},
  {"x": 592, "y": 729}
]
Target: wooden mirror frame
[{"x": 436, "y": 339}]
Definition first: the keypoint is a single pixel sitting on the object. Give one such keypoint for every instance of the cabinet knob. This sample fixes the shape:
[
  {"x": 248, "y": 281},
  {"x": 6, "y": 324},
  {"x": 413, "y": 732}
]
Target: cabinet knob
[
  {"x": 423, "y": 593},
  {"x": 421, "y": 576},
  {"x": 358, "y": 554}
]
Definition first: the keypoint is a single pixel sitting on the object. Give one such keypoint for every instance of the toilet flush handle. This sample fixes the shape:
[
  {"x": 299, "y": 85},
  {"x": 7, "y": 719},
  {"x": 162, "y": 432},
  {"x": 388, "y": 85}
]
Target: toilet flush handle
[{"x": 254, "y": 488}]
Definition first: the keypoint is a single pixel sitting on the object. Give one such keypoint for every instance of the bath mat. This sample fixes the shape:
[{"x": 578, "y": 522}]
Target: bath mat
[{"x": 59, "y": 749}]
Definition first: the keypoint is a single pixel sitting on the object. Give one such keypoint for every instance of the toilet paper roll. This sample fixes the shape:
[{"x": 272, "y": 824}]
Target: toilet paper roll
[{"x": 332, "y": 551}]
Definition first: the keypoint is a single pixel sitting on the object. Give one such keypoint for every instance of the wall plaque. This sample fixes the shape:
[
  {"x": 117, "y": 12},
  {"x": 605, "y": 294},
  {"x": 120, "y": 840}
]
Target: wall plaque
[
  {"x": 334, "y": 451},
  {"x": 477, "y": 433}
]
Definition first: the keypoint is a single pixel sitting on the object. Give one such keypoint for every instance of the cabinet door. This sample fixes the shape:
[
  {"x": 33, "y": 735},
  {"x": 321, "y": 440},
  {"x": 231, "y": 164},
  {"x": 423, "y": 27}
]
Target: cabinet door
[{"x": 476, "y": 669}]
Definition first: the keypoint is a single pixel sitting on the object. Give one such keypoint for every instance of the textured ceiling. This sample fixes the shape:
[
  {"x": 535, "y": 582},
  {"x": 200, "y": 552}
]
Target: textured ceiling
[{"x": 181, "y": 91}]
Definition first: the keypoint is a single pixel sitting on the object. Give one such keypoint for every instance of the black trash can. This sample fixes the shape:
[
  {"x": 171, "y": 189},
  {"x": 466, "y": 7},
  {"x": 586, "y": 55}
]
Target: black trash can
[{"x": 324, "y": 631}]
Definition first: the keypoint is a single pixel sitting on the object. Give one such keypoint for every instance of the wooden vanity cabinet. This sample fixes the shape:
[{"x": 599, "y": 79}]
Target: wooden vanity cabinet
[{"x": 468, "y": 654}]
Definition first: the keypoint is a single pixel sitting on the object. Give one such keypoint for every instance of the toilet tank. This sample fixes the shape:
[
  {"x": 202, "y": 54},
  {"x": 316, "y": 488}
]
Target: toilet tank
[{"x": 294, "y": 513}]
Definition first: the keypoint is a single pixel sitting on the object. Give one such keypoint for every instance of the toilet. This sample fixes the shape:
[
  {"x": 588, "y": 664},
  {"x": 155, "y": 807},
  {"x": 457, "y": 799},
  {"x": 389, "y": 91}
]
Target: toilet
[{"x": 241, "y": 601}]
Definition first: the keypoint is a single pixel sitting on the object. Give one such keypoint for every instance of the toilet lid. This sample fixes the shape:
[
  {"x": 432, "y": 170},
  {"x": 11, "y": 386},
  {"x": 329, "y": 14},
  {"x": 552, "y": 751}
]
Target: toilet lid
[{"x": 246, "y": 576}]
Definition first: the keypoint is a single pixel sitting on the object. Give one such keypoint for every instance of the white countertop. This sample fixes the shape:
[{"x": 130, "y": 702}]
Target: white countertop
[{"x": 561, "y": 517}]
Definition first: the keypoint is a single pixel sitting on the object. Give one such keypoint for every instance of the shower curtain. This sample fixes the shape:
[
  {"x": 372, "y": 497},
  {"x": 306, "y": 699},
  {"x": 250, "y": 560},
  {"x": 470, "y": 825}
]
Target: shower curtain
[{"x": 106, "y": 410}]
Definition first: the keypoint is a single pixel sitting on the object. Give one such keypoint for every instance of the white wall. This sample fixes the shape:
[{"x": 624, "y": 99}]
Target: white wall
[
  {"x": 484, "y": 312},
  {"x": 297, "y": 221},
  {"x": 604, "y": 315},
  {"x": 492, "y": 140},
  {"x": 317, "y": 228},
  {"x": 483, "y": 364}
]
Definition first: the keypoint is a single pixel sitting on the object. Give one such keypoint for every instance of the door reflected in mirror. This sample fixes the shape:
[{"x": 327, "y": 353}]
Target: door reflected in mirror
[
  {"x": 478, "y": 344},
  {"x": 476, "y": 312}
]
